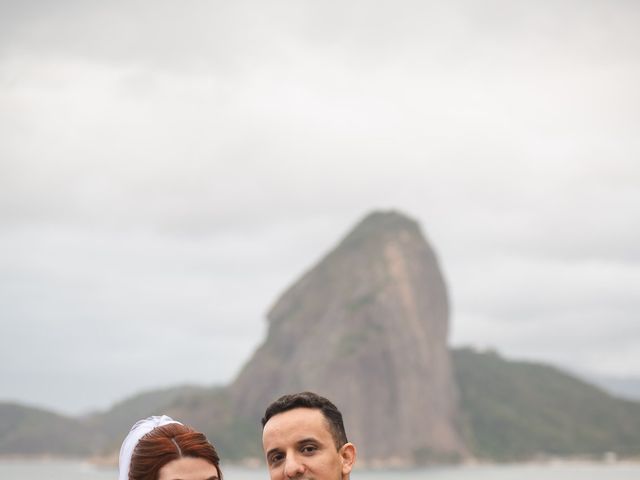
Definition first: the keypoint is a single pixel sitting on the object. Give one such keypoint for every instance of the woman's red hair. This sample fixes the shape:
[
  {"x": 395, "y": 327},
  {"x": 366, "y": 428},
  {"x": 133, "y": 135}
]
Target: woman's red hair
[{"x": 165, "y": 444}]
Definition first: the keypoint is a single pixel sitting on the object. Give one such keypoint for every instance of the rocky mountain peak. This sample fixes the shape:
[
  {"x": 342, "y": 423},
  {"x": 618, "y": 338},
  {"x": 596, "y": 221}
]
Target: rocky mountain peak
[
  {"x": 381, "y": 224},
  {"x": 367, "y": 327}
]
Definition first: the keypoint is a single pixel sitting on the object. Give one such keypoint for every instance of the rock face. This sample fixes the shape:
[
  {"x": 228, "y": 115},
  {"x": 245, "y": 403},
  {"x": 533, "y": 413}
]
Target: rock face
[{"x": 367, "y": 327}]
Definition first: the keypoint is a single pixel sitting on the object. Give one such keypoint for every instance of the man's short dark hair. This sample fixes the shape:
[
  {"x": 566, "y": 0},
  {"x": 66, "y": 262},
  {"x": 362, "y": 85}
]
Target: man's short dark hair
[{"x": 314, "y": 401}]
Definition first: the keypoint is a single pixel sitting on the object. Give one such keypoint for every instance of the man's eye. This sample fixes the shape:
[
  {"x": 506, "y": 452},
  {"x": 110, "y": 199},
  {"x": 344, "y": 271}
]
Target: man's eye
[
  {"x": 308, "y": 449},
  {"x": 275, "y": 458}
]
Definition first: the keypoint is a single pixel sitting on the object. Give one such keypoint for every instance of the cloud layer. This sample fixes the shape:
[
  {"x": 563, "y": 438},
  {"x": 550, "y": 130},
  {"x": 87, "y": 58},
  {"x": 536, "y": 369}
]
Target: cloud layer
[{"x": 168, "y": 168}]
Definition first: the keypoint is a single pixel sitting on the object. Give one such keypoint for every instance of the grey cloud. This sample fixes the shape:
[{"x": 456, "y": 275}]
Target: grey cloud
[
  {"x": 169, "y": 162},
  {"x": 231, "y": 35}
]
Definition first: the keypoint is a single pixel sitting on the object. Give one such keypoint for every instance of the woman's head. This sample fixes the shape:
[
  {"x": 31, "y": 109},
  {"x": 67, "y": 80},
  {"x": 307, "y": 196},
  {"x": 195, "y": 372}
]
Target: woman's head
[{"x": 159, "y": 448}]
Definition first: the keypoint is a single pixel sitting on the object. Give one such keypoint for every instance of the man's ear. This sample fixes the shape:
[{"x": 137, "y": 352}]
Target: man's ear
[{"x": 348, "y": 456}]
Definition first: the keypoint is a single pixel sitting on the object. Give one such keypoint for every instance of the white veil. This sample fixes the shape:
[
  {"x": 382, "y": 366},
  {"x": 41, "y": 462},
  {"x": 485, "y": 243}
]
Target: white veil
[{"x": 139, "y": 430}]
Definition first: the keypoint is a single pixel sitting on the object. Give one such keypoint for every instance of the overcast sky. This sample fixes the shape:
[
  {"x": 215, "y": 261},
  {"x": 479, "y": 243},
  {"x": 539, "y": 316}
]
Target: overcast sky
[{"x": 168, "y": 168}]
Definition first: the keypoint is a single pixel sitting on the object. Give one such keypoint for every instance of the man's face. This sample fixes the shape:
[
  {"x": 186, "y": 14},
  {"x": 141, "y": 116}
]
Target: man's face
[{"x": 298, "y": 445}]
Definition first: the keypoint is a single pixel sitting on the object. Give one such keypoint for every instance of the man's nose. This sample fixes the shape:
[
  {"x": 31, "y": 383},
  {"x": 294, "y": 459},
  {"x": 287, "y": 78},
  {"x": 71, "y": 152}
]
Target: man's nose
[{"x": 293, "y": 467}]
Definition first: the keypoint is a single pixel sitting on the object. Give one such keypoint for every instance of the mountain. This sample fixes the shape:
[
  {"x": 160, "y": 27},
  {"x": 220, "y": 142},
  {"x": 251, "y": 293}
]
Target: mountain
[
  {"x": 367, "y": 327},
  {"x": 522, "y": 410},
  {"x": 209, "y": 409},
  {"x": 34, "y": 431},
  {"x": 116, "y": 422}
]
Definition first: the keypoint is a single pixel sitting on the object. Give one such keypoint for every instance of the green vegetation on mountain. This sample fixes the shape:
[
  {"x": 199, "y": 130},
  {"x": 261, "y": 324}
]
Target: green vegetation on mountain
[
  {"x": 116, "y": 422},
  {"x": 522, "y": 410},
  {"x": 207, "y": 409},
  {"x": 34, "y": 431}
]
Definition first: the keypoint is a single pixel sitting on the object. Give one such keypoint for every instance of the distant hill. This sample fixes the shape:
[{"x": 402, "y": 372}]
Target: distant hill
[
  {"x": 367, "y": 326},
  {"x": 33, "y": 431},
  {"x": 520, "y": 410},
  {"x": 116, "y": 422},
  {"x": 208, "y": 409}
]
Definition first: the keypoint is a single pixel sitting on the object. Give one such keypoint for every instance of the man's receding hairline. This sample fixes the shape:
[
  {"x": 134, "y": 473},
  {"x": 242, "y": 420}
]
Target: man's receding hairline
[
  {"x": 335, "y": 436},
  {"x": 302, "y": 407}
]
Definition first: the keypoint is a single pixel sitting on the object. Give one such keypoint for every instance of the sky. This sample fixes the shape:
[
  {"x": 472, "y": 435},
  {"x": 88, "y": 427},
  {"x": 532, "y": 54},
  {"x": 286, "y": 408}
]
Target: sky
[{"x": 168, "y": 168}]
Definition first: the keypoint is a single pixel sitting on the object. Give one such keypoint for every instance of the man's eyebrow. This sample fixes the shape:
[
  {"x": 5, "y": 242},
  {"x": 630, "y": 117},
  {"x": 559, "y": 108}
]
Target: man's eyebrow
[{"x": 307, "y": 440}]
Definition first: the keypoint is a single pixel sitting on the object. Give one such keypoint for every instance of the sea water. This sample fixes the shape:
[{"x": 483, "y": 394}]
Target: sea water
[{"x": 70, "y": 470}]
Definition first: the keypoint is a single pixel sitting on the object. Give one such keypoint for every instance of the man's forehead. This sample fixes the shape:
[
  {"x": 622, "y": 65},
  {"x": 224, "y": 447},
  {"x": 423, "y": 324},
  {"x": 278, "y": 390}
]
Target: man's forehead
[{"x": 297, "y": 424}]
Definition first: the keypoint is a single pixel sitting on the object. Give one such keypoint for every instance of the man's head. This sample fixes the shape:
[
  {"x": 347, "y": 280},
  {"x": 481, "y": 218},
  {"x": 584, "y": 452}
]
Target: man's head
[
  {"x": 304, "y": 438},
  {"x": 310, "y": 400}
]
